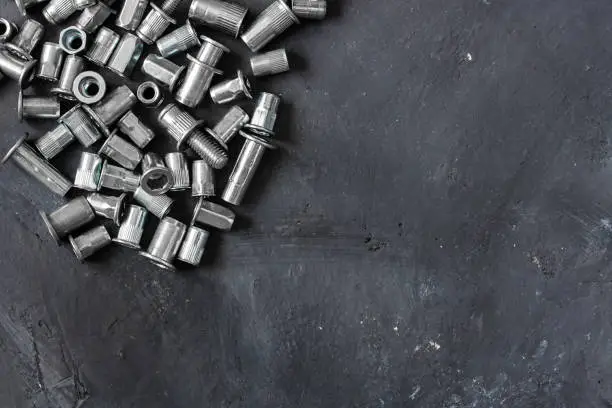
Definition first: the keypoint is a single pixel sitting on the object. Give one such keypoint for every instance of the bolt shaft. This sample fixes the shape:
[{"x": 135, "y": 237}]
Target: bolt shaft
[{"x": 243, "y": 172}]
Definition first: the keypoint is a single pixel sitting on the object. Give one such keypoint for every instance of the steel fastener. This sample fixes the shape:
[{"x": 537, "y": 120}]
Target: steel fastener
[
  {"x": 179, "y": 40},
  {"x": 54, "y": 141},
  {"x": 22, "y": 5},
  {"x": 193, "y": 246},
  {"x": 83, "y": 4},
  {"x": 50, "y": 64},
  {"x": 93, "y": 17},
  {"x": 118, "y": 178},
  {"x": 154, "y": 25},
  {"x": 112, "y": 107},
  {"x": 26, "y": 159},
  {"x": 221, "y": 15},
  {"x": 28, "y": 37},
  {"x": 73, "y": 66},
  {"x": 156, "y": 179},
  {"x": 132, "y": 227},
  {"x": 57, "y": 11},
  {"x": 89, "y": 87},
  {"x": 158, "y": 205},
  {"x": 213, "y": 215},
  {"x": 270, "y": 23},
  {"x": 7, "y": 30},
  {"x": 16, "y": 68},
  {"x": 103, "y": 46},
  {"x": 126, "y": 55},
  {"x": 229, "y": 125},
  {"x": 90, "y": 242},
  {"x": 162, "y": 70},
  {"x": 196, "y": 82},
  {"x": 107, "y": 206},
  {"x": 37, "y": 107},
  {"x": 231, "y": 89},
  {"x": 177, "y": 164},
  {"x": 165, "y": 243},
  {"x": 131, "y": 14},
  {"x": 87, "y": 176},
  {"x": 138, "y": 132},
  {"x": 309, "y": 9},
  {"x": 211, "y": 51},
  {"x": 81, "y": 126},
  {"x": 149, "y": 94},
  {"x": 203, "y": 179},
  {"x": 73, "y": 40},
  {"x": 121, "y": 151},
  {"x": 270, "y": 63},
  {"x": 68, "y": 218},
  {"x": 264, "y": 115}
]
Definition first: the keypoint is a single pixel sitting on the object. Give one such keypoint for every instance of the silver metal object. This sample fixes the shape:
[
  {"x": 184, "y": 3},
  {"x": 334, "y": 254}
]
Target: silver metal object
[
  {"x": 112, "y": 107},
  {"x": 7, "y": 30},
  {"x": 264, "y": 115},
  {"x": 132, "y": 227},
  {"x": 73, "y": 66},
  {"x": 183, "y": 128},
  {"x": 28, "y": 37},
  {"x": 26, "y": 159},
  {"x": 126, "y": 55},
  {"x": 68, "y": 218},
  {"x": 57, "y": 11},
  {"x": 165, "y": 243},
  {"x": 158, "y": 205},
  {"x": 131, "y": 14},
  {"x": 213, "y": 215},
  {"x": 196, "y": 82},
  {"x": 229, "y": 125},
  {"x": 118, "y": 178},
  {"x": 90, "y": 242},
  {"x": 138, "y": 132},
  {"x": 17, "y": 69},
  {"x": 73, "y": 40},
  {"x": 309, "y": 9},
  {"x": 221, "y": 15},
  {"x": 270, "y": 23},
  {"x": 93, "y": 17},
  {"x": 177, "y": 163},
  {"x": 22, "y": 5},
  {"x": 211, "y": 51},
  {"x": 88, "y": 173},
  {"x": 83, "y": 4},
  {"x": 162, "y": 70},
  {"x": 103, "y": 46},
  {"x": 81, "y": 126},
  {"x": 121, "y": 151},
  {"x": 54, "y": 141},
  {"x": 51, "y": 59},
  {"x": 157, "y": 179},
  {"x": 203, "y": 179},
  {"x": 170, "y": 6},
  {"x": 179, "y": 40},
  {"x": 193, "y": 246},
  {"x": 89, "y": 87},
  {"x": 37, "y": 107},
  {"x": 231, "y": 89},
  {"x": 149, "y": 94},
  {"x": 270, "y": 63},
  {"x": 154, "y": 25},
  {"x": 109, "y": 207}
]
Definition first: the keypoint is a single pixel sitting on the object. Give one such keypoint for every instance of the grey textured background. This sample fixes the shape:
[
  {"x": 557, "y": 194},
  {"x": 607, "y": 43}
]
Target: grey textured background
[{"x": 435, "y": 233}]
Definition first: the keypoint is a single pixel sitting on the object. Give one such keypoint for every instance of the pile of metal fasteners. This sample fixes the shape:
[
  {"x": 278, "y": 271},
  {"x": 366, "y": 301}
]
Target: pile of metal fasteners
[{"x": 122, "y": 181}]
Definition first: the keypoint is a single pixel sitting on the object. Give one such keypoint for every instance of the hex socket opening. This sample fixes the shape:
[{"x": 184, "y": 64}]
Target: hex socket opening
[
  {"x": 148, "y": 93},
  {"x": 73, "y": 40},
  {"x": 89, "y": 87}
]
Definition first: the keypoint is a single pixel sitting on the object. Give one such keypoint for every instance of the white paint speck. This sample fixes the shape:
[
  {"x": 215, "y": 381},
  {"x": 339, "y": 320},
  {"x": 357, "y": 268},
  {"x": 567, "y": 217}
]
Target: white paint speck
[
  {"x": 415, "y": 392},
  {"x": 469, "y": 57}
]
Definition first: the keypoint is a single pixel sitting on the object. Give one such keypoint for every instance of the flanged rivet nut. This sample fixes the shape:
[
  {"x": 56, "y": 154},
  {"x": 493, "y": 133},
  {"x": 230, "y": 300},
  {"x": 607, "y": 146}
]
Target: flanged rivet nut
[
  {"x": 73, "y": 40},
  {"x": 224, "y": 16},
  {"x": 121, "y": 151},
  {"x": 68, "y": 218},
  {"x": 132, "y": 227},
  {"x": 31, "y": 163},
  {"x": 165, "y": 243},
  {"x": 149, "y": 94},
  {"x": 54, "y": 141},
  {"x": 89, "y": 87},
  {"x": 107, "y": 206},
  {"x": 103, "y": 46},
  {"x": 37, "y": 107},
  {"x": 126, "y": 55},
  {"x": 177, "y": 164},
  {"x": 177, "y": 41},
  {"x": 264, "y": 115},
  {"x": 51, "y": 59},
  {"x": 81, "y": 126},
  {"x": 270, "y": 23},
  {"x": 196, "y": 83},
  {"x": 162, "y": 70},
  {"x": 229, "y": 125},
  {"x": 213, "y": 215},
  {"x": 210, "y": 51},
  {"x": 270, "y": 63},
  {"x": 90, "y": 242},
  {"x": 57, "y": 11},
  {"x": 138, "y": 132},
  {"x": 231, "y": 89},
  {"x": 73, "y": 66},
  {"x": 193, "y": 246},
  {"x": 309, "y": 9},
  {"x": 88, "y": 173},
  {"x": 157, "y": 179},
  {"x": 154, "y": 25},
  {"x": 112, "y": 107},
  {"x": 118, "y": 178},
  {"x": 93, "y": 17},
  {"x": 17, "y": 69},
  {"x": 158, "y": 205},
  {"x": 28, "y": 37},
  {"x": 7, "y": 29},
  {"x": 203, "y": 179}
]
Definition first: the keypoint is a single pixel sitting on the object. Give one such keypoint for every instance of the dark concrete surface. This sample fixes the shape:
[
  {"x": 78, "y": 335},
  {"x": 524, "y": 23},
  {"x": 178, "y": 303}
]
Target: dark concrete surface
[{"x": 435, "y": 233}]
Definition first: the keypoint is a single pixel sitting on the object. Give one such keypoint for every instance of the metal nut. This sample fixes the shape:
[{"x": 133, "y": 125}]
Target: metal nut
[
  {"x": 73, "y": 66},
  {"x": 162, "y": 70},
  {"x": 213, "y": 215},
  {"x": 69, "y": 217},
  {"x": 221, "y": 15},
  {"x": 88, "y": 173},
  {"x": 89, "y": 87},
  {"x": 157, "y": 179},
  {"x": 149, "y": 94},
  {"x": 37, "y": 107},
  {"x": 126, "y": 55},
  {"x": 73, "y": 40},
  {"x": 270, "y": 23},
  {"x": 90, "y": 242},
  {"x": 7, "y": 30},
  {"x": 231, "y": 89},
  {"x": 132, "y": 227},
  {"x": 165, "y": 243},
  {"x": 121, "y": 151}
]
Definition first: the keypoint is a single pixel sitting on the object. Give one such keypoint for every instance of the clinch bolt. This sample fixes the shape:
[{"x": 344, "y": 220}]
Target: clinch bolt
[
  {"x": 7, "y": 30},
  {"x": 90, "y": 242},
  {"x": 149, "y": 94},
  {"x": 73, "y": 40},
  {"x": 138, "y": 132},
  {"x": 231, "y": 89},
  {"x": 103, "y": 46},
  {"x": 213, "y": 215},
  {"x": 89, "y": 87},
  {"x": 193, "y": 246},
  {"x": 126, "y": 55},
  {"x": 270, "y": 63},
  {"x": 37, "y": 107},
  {"x": 107, "y": 206},
  {"x": 68, "y": 218},
  {"x": 264, "y": 115},
  {"x": 182, "y": 127},
  {"x": 162, "y": 70},
  {"x": 112, "y": 107},
  {"x": 93, "y": 17},
  {"x": 165, "y": 243},
  {"x": 131, "y": 14},
  {"x": 270, "y": 23},
  {"x": 118, "y": 178},
  {"x": 309, "y": 9},
  {"x": 132, "y": 227},
  {"x": 81, "y": 126},
  {"x": 221, "y": 15},
  {"x": 177, "y": 164},
  {"x": 203, "y": 179},
  {"x": 158, "y": 205},
  {"x": 50, "y": 64},
  {"x": 157, "y": 179},
  {"x": 57, "y": 11},
  {"x": 54, "y": 141},
  {"x": 229, "y": 125},
  {"x": 27, "y": 39},
  {"x": 210, "y": 51},
  {"x": 121, "y": 151},
  {"x": 26, "y": 159},
  {"x": 196, "y": 82},
  {"x": 179, "y": 40},
  {"x": 22, "y": 5},
  {"x": 154, "y": 24},
  {"x": 87, "y": 176},
  {"x": 16, "y": 68},
  {"x": 73, "y": 66}
]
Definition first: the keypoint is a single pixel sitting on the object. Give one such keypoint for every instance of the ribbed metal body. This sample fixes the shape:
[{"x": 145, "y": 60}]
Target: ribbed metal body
[
  {"x": 270, "y": 63},
  {"x": 154, "y": 25},
  {"x": 270, "y": 23},
  {"x": 162, "y": 70},
  {"x": 309, "y": 9},
  {"x": 88, "y": 173},
  {"x": 138, "y": 132},
  {"x": 81, "y": 126},
  {"x": 118, "y": 178},
  {"x": 126, "y": 55},
  {"x": 203, "y": 179},
  {"x": 107, "y": 206},
  {"x": 177, "y": 41},
  {"x": 93, "y": 17},
  {"x": 158, "y": 205},
  {"x": 131, "y": 14},
  {"x": 73, "y": 66},
  {"x": 177, "y": 164},
  {"x": 68, "y": 218},
  {"x": 132, "y": 227},
  {"x": 57, "y": 11},
  {"x": 38, "y": 107},
  {"x": 54, "y": 141},
  {"x": 196, "y": 83},
  {"x": 103, "y": 46},
  {"x": 90, "y": 242},
  {"x": 121, "y": 151},
  {"x": 193, "y": 245},
  {"x": 229, "y": 124},
  {"x": 170, "y": 6},
  {"x": 221, "y": 15},
  {"x": 166, "y": 243},
  {"x": 231, "y": 89}
]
